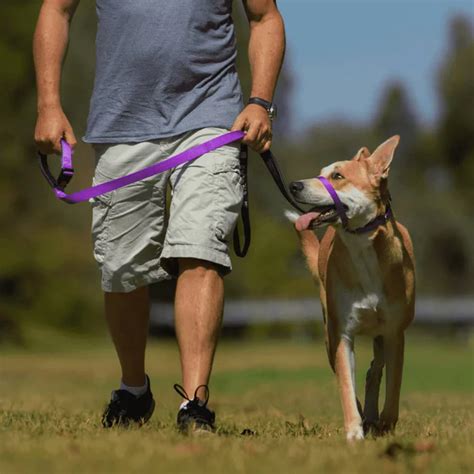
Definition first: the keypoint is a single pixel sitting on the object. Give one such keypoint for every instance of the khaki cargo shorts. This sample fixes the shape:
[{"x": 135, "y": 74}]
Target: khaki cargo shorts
[{"x": 135, "y": 241}]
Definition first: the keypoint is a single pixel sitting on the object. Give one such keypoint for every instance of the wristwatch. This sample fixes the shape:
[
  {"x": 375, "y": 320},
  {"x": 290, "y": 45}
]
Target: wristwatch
[{"x": 270, "y": 107}]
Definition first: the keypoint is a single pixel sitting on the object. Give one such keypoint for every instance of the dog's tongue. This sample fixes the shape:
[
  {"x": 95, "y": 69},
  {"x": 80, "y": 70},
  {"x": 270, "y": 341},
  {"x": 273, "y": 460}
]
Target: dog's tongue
[{"x": 303, "y": 222}]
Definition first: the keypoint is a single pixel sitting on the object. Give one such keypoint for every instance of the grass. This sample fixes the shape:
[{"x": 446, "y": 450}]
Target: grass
[{"x": 284, "y": 392}]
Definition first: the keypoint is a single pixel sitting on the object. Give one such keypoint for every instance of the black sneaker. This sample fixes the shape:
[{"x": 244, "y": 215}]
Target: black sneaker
[
  {"x": 124, "y": 408},
  {"x": 195, "y": 416}
]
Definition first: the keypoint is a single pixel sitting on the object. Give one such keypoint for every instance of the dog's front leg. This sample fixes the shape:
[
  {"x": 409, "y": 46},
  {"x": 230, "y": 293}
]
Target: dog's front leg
[
  {"x": 372, "y": 386},
  {"x": 393, "y": 350},
  {"x": 345, "y": 377}
]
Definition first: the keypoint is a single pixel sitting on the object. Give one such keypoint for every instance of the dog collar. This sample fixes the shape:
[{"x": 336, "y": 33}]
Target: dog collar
[{"x": 372, "y": 225}]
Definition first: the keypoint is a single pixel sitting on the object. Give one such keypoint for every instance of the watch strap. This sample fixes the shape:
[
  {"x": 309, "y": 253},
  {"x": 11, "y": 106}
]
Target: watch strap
[{"x": 262, "y": 102}]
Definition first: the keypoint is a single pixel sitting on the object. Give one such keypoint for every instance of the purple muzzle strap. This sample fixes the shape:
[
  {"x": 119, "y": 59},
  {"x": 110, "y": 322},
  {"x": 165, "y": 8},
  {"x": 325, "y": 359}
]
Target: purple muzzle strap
[
  {"x": 337, "y": 202},
  {"x": 67, "y": 170},
  {"x": 372, "y": 225}
]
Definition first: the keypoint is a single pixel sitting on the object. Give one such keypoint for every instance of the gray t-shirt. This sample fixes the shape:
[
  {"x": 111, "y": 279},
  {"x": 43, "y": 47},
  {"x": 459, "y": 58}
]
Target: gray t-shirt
[{"x": 164, "y": 67}]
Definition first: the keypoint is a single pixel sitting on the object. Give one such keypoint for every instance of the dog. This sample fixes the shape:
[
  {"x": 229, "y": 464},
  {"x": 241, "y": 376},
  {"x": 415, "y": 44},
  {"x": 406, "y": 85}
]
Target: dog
[{"x": 365, "y": 267}]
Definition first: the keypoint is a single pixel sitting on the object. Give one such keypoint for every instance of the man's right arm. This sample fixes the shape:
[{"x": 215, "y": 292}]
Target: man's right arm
[{"x": 49, "y": 47}]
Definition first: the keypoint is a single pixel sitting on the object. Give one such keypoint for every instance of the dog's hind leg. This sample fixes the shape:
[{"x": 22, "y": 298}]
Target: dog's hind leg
[
  {"x": 393, "y": 350},
  {"x": 372, "y": 386},
  {"x": 344, "y": 365}
]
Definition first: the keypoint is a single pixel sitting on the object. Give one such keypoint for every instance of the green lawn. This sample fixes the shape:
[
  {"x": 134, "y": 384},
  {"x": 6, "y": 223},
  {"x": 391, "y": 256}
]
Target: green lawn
[{"x": 51, "y": 399}]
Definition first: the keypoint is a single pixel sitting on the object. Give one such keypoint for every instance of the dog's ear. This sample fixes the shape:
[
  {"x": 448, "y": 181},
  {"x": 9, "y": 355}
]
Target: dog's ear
[
  {"x": 379, "y": 161},
  {"x": 362, "y": 153}
]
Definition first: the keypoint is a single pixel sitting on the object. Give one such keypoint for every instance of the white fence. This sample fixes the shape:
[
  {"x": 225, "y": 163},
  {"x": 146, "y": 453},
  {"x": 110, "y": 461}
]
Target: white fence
[{"x": 459, "y": 311}]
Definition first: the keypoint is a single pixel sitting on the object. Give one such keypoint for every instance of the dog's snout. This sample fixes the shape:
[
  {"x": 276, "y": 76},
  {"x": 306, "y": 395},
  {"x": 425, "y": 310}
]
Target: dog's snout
[{"x": 296, "y": 186}]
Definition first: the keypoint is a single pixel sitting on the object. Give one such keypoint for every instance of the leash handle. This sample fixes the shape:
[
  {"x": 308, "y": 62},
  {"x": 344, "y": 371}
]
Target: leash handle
[{"x": 67, "y": 170}]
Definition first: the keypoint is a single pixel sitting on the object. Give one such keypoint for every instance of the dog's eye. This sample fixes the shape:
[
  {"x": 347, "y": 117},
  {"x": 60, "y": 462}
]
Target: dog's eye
[{"x": 337, "y": 175}]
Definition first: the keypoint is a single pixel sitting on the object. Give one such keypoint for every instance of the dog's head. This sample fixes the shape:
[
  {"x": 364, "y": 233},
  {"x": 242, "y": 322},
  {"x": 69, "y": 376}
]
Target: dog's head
[{"x": 361, "y": 184}]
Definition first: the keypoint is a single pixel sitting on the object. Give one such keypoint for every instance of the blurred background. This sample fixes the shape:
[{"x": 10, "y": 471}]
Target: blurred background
[{"x": 356, "y": 72}]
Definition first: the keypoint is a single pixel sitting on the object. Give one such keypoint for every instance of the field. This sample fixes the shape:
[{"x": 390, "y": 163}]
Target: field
[{"x": 283, "y": 392}]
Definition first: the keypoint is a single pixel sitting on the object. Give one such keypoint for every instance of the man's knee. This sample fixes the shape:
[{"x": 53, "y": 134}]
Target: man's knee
[{"x": 197, "y": 266}]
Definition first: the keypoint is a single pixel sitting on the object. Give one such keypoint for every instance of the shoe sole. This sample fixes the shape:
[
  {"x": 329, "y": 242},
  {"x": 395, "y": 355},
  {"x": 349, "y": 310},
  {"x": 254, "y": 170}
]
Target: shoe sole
[{"x": 193, "y": 428}]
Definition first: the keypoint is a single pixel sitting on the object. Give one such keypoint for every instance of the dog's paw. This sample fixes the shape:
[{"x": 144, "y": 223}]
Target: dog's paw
[
  {"x": 371, "y": 427},
  {"x": 355, "y": 434},
  {"x": 292, "y": 216}
]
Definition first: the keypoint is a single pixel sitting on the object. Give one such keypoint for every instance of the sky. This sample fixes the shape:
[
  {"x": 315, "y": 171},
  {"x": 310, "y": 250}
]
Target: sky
[{"x": 343, "y": 52}]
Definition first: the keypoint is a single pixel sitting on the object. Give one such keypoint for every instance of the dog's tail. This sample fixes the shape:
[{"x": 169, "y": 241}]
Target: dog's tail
[{"x": 309, "y": 244}]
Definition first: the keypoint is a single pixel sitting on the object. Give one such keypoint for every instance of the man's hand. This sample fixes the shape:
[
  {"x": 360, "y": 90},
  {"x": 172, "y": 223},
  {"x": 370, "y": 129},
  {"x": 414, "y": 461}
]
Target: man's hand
[
  {"x": 255, "y": 121},
  {"x": 52, "y": 125}
]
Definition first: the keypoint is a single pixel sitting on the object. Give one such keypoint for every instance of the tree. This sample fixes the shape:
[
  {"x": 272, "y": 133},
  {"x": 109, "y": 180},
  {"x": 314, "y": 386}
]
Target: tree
[
  {"x": 456, "y": 92},
  {"x": 42, "y": 242},
  {"x": 17, "y": 84},
  {"x": 396, "y": 116}
]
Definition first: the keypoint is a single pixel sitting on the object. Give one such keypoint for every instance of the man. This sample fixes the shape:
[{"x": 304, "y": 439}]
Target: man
[{"x": 165, "y": 81}]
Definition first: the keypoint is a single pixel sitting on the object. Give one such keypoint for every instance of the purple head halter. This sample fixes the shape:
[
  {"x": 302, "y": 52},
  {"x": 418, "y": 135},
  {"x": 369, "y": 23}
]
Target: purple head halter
[
  {"x": 341, "y": 212},
  {"x": 337, "y": 202}
]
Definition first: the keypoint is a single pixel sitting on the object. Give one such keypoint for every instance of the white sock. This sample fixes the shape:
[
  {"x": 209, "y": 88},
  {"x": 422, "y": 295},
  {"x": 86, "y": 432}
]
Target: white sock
[{"x": 137, "y": 391}]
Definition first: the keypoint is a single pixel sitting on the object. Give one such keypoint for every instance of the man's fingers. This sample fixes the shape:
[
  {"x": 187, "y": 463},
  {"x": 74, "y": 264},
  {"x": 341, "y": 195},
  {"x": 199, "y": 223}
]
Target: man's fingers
[
  {"x": 266, "y": 134},
  {"x": 239, "y": 124},
  {"x": 46, "y": 145},
  {"x": 70, "y": 137},
  {"x": 57, "y": 145},
  {"x": 253, "y": 134},
  {"x": 262, "y": 146},
  {"x": 267, "y": 145},
  {"x": 263, "y": 141}
]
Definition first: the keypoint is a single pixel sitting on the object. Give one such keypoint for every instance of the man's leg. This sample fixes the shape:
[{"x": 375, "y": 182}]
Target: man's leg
[
  {"x": 198, "y": 314},
  {"x": 128, "y": 227},
  {"x": 127, "y": 316}
]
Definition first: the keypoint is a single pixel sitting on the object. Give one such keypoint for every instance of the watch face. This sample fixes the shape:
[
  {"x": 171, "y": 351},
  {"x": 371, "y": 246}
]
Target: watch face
[{"x": 272, "y": 111}]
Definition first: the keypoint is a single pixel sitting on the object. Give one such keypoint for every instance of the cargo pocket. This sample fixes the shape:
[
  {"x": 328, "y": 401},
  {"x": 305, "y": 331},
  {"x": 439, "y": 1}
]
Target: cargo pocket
[
  {"x": 101, "y": 207},
  {"x": 229, "y": 196}
]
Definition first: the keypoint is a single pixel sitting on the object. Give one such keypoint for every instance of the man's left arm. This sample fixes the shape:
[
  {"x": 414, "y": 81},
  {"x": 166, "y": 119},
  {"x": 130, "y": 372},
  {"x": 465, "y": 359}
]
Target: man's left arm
[{"x": 266, "y": 51}]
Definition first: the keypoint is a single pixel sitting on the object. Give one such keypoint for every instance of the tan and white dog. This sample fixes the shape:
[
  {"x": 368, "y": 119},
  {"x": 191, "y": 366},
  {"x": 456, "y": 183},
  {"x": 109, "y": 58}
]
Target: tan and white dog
[{"x": 365, "y": 267}]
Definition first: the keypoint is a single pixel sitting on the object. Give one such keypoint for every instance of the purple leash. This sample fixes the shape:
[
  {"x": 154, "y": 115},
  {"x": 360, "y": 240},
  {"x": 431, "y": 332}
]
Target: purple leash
[
  {"x": 67, "y": 170},
  {"x": 372, "y": 225}
]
